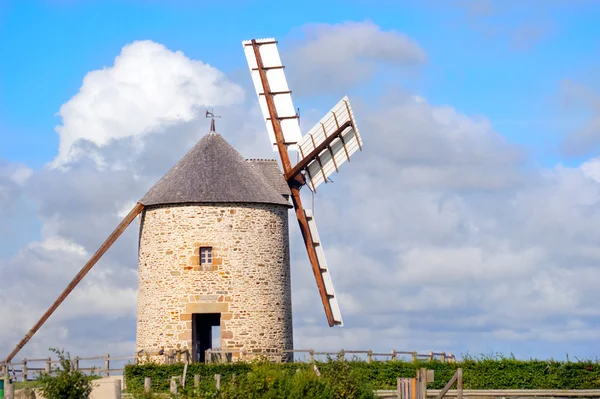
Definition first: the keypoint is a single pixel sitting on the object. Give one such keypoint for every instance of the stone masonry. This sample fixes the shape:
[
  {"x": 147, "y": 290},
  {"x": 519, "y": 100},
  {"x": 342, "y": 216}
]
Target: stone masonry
[{"x": 248, "y": 282}]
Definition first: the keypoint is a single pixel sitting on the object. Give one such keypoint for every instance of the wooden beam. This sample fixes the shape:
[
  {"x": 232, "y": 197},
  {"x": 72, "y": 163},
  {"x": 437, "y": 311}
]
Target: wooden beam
[
  {"x": 445, "y": 390},
  {"x": 304, "y": 162},
  {"x": 459, "y": 383},
  {"x": 423, "y": 383},
  {"x": 77, "y": 279}
]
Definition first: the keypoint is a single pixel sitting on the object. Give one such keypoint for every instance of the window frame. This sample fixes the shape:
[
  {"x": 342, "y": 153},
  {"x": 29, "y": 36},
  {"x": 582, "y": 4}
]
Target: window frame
[{"x": 205, "y": 256}]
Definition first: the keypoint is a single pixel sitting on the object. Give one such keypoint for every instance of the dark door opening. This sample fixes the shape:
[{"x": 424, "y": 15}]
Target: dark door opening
[{"x": 202, "y": 333}]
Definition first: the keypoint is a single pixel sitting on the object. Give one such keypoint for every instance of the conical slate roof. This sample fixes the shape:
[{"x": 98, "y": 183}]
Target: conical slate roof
[
  {"x": 213, "y": 171},
  {"x": 270, "y": 170}
]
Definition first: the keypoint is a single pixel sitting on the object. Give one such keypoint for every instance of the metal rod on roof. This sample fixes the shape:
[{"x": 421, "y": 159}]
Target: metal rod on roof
[
  {"x": 211, "y": 114},
  {"x": 137, "y": 209}
]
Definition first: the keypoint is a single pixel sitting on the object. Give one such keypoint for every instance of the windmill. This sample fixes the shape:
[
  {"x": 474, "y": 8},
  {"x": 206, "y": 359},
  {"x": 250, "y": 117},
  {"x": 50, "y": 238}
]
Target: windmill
[{"x": 323, "y": 149}]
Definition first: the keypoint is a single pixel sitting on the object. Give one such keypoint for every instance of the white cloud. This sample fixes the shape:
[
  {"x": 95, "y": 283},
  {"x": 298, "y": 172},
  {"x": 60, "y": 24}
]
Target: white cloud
[
  {"x": 147, "y": 87},
  {"x": 581, "y": 99},
  {"x": 339, "y": 56},
  {"x": 56, "y": 243}
]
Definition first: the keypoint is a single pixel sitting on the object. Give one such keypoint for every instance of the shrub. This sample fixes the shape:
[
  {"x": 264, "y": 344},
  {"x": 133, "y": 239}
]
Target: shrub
[
  {"x": 260, "y": 380},
  {"x": 67, "y": 383},
  {"x": 356, "y": 379}
]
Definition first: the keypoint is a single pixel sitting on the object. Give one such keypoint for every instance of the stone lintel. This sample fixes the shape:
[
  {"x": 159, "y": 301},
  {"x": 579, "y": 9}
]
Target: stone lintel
[{"x": 220, "y": 307}]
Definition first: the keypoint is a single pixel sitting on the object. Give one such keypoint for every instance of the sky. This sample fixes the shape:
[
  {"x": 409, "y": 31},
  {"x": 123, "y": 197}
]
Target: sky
[{"x": 468, "y": 223}]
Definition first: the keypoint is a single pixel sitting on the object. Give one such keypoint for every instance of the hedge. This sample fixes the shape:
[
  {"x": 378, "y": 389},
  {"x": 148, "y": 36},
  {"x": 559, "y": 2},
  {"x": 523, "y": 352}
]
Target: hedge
[
  {"x": 484, "y": 373},
  {"x": 259, "y": 380}
]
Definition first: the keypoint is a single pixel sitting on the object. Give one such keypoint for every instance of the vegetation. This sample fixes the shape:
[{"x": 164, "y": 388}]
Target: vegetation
[
  {"x": 27, "y": 384},
  {"x": 257, "y": 380},
  {"x": 66, "y": 383},
  {"x": 357, "y": 379}
]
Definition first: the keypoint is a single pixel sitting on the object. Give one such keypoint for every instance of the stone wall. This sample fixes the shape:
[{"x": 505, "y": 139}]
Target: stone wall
[{"x": 248, "y": 282}]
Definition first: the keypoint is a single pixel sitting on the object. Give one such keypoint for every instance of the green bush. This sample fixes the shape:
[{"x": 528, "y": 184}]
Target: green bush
[
  {"x": 308, "y": 385},
  {"x": 257, "y": 380},
  {"x": 357, "y": 379},
  {"x": 67, "y": 383}
]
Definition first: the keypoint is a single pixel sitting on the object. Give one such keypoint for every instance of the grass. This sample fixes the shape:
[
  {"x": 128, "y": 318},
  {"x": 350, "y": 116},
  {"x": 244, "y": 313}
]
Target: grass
[{"x": 27, "y": 384}]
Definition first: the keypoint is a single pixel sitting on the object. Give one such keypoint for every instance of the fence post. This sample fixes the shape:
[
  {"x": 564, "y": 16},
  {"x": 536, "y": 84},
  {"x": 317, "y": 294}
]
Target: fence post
[
  {"x": 118, "y": 389},
  {"x": 9, "y": 391},
  {"x": 399, "y": 387},
  {"x": 147, "y": 384},
  {"x": 24, "y": 369},
  {"x": 107, "y": 365},
  {"x": 369, "y": 356},
  {"x": 218, "y": 381},
  {"x": 423, "y": 383},
  {"x": 312, "y": 355},
  {"x": 6, "y": 380},
  {"x": 459, "y": 384},
  {"x": 430, "y": 356},
  {"x": 49, "y": 365},
  {"x": 443, "y": 357},
  {"x": 173, "y": 385},
  {"x": 414, "y": 355},
  {"x": 394, "y": 357},
  {"x": 76, "y": 363},
  {"x": 343, "y": 355},
  {"x": 183, "y": 377}
]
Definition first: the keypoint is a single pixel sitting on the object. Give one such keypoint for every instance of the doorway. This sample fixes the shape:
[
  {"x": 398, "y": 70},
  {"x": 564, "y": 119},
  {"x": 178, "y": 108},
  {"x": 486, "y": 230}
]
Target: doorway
[{"x": 205, "y": 329}]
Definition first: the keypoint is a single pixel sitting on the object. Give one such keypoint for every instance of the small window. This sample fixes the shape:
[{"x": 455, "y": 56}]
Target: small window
[{"x": 205, "y": 255}]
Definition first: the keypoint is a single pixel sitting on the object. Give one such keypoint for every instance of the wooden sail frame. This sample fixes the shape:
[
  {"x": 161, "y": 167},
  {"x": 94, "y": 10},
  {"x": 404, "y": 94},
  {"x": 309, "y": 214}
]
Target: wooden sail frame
[
  {"x": 322, "y": 150},
  {"x": 287, "y": 168}
]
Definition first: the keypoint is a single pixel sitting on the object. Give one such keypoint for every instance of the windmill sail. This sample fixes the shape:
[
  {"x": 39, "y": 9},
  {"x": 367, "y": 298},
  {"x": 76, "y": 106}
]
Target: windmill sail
[
  {"x": 279, "y": 90},
  {"x": 333, "y": 138},
  {"x": 329, "y": 143},
  {"x": 316, "y": 242}
]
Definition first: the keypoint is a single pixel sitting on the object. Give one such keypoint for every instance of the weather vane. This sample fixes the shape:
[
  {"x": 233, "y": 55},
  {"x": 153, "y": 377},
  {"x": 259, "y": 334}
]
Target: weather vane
[{"x": 211, "y": 115}]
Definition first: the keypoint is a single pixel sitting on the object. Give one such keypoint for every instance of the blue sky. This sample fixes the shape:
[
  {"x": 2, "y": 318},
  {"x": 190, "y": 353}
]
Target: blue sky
[
  {"x": 488, "y": 229},
  {"x": 53, "y": 44}
]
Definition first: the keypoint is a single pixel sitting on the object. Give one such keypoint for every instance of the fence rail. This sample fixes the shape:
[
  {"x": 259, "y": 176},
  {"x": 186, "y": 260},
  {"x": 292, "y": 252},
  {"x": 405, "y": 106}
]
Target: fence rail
[
  {"x": 225, "y": 355},
  {"x": 107, "y": 365}
]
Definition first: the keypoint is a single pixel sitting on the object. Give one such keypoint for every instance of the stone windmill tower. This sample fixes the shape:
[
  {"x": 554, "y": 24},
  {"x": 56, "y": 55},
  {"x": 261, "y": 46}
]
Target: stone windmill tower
[{"x": 214, "y": 251}]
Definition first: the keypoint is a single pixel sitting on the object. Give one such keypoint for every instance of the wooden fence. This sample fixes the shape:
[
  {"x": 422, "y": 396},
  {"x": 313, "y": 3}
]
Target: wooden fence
[
  {"x": 28, "y": 369},
  {"x": 226, "y": 355},
  {"x": 107, "y": 365}
]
